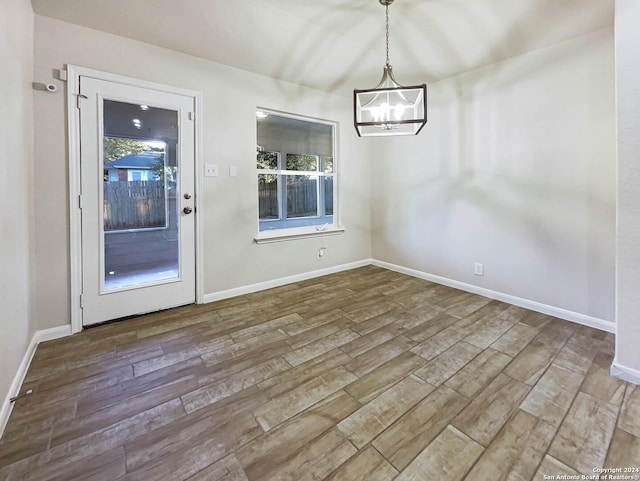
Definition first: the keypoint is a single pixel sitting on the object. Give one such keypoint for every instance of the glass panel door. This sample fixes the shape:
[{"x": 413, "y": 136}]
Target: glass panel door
[{"x": 137, "y": 149}]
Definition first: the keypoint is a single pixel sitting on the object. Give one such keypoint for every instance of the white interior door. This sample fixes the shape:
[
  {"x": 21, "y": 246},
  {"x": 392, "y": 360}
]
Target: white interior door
[{"x": 137, "y": 176}]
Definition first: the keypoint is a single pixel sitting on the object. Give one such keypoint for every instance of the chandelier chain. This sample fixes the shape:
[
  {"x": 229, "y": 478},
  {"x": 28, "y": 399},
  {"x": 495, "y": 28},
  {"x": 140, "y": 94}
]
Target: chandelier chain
[{"x": 387, "y": 30}]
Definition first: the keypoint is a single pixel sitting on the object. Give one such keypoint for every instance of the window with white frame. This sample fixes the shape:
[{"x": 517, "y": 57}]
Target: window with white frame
[{"x": 296, "y": 174}]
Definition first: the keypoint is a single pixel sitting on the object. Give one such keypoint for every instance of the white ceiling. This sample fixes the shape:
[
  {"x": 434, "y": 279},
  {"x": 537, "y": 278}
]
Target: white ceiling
[{"x": 338, "y": 45}]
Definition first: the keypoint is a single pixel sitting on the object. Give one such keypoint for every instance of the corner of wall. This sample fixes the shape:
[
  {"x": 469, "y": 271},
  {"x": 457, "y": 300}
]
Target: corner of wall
[
  {"x": 625, "y": 373},
  {"x": 16, "y": 384}
]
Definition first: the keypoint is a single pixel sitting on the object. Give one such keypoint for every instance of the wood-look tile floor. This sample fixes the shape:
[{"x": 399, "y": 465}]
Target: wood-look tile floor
[{"x": 363, "y": 375}]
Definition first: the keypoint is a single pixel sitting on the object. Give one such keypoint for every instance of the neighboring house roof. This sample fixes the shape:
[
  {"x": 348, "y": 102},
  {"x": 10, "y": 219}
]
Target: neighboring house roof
[{"x": 145, "y": 160}]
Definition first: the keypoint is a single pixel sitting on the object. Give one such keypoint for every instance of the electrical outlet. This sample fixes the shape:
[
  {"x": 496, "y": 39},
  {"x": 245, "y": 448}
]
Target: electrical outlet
[
  {"x": 478, "y": 269},
  {"x": 321, "y": 252},
  {"x": 211, "y": 170}
]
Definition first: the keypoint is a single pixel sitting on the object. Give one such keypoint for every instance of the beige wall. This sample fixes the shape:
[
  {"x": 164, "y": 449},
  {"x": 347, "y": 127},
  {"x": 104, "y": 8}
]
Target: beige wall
[
  {"x": 515, "y": 170},
  {"x": 16, "y": 138},
  {"x": 628, "y": 234},
  {"x": 229, "y": 214}
]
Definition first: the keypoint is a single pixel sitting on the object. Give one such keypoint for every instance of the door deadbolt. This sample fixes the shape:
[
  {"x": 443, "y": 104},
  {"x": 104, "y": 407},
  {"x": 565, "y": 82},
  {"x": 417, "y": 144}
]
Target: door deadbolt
[
  {"x": 187, "y": 196},
  {"x": 187, "y": 210}
]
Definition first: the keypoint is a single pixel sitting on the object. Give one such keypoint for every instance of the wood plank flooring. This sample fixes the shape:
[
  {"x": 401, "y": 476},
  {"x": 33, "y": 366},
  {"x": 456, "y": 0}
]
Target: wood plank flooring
[{"x": 362, "y": 375}]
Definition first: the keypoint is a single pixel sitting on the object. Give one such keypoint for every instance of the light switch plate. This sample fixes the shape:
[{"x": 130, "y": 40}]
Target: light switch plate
[{"x": 233, "y": 171}]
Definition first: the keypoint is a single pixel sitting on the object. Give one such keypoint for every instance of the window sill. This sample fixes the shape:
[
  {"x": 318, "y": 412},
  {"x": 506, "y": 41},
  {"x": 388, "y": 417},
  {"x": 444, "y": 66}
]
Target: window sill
[{"x": 280, "y": 235}]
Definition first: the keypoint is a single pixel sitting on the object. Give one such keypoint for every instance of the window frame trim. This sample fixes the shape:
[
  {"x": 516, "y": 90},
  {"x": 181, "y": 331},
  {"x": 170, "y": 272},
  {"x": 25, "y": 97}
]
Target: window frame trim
[{"x": 301, "y": 232}]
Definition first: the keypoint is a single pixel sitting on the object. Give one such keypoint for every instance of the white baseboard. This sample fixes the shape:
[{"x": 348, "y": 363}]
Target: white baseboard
[
  {"x": 576, "y": 317},
  {"x": 625, "y": 373},
  {"x": 261, "y": 286},
  {"x": 16, "y": 385}
]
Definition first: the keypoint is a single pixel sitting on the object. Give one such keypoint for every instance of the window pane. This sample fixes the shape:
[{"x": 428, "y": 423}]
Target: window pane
[
  {"x": 327, "y": 164},
  {"x": 302, "y": 196},
  {"x": 328, "y": 195},
  {"x": 140, "y": 209},
  {"x": 268, "y": 196},
  {"x": 302, "y": 162},
  {"x": 267, "y": 160}
]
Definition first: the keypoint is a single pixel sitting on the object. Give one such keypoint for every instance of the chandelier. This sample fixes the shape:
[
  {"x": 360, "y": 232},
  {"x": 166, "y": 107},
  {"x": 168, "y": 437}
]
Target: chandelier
[{"x": 389, "y": 108}]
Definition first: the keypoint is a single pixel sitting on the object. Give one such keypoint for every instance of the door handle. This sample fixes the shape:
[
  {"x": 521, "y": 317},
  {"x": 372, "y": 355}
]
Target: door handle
[{"x": 187, "y": 210}]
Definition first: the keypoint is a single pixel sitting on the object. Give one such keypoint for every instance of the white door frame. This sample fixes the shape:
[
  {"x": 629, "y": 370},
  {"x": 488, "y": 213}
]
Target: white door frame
[{"x": 73, "y": 126}]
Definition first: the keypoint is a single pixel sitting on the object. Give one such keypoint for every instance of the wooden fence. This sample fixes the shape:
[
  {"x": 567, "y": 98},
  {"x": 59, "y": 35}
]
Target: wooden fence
[
  {"x": 134, "y": 205},
  {"x": 268, "y": 200},
  {"x": 142, "y": 204},
  {"x": 302, "y": 198}
]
